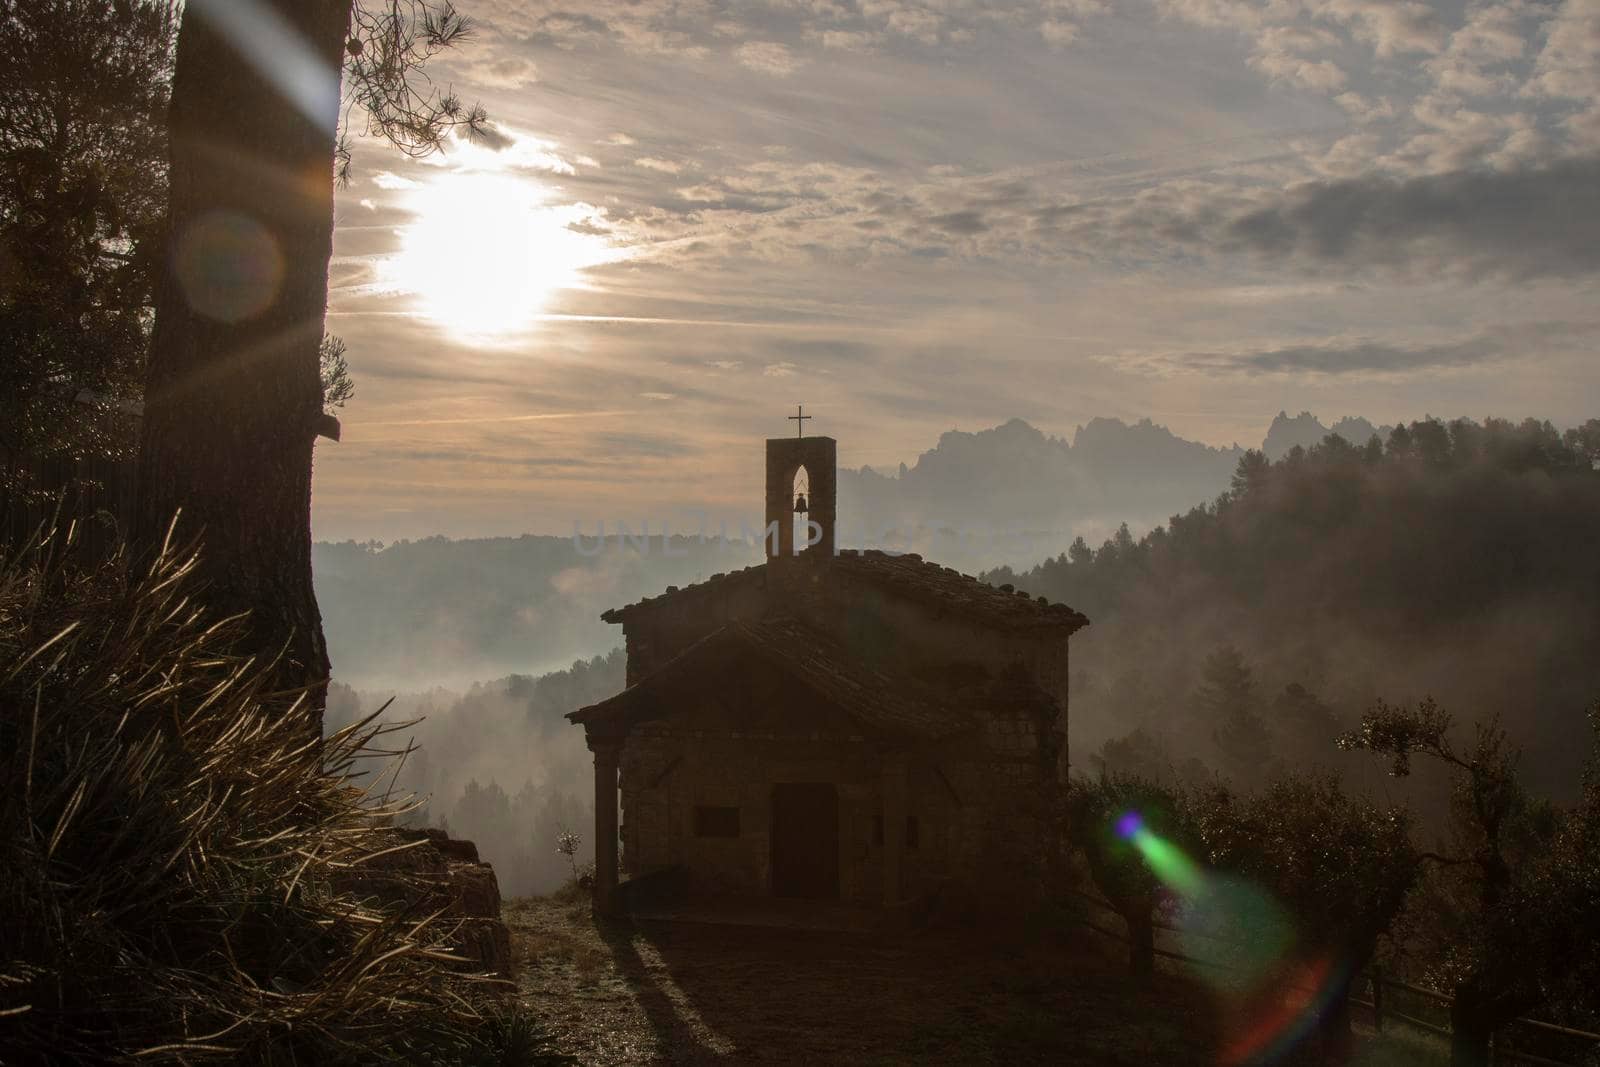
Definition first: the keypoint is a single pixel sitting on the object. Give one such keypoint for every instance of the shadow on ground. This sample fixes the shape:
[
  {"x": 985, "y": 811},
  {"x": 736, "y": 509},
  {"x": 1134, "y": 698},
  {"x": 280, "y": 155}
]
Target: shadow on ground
[{"x": 691, "y": 993}]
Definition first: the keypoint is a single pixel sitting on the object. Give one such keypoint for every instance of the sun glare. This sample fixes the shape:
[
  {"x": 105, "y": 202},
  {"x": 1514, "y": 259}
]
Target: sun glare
[{"x": 486, "y": 252}]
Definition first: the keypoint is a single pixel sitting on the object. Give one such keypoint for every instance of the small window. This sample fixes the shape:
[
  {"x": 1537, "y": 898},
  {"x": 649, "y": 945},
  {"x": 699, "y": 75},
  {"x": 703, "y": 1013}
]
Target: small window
[{"x": 716, "y": 822}]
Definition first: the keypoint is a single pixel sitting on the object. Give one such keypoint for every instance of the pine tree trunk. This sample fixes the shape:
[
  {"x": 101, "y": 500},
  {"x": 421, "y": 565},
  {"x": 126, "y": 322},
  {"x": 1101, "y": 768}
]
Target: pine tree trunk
[{"x": 234, "y": 391}]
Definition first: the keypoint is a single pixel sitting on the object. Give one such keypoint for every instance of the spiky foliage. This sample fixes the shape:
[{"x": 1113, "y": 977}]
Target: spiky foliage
[
  {"x": 391, "y": 41},
  {"x": 181, "y": 854},
  {"x": 337, "y": 385}
]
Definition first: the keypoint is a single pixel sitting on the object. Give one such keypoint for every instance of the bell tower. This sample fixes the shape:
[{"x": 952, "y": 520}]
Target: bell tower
[{"x": 785, "y": 457}]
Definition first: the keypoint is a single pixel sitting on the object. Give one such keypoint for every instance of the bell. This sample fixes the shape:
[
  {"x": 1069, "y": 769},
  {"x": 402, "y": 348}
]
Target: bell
[{"x": 800, "y": 503}]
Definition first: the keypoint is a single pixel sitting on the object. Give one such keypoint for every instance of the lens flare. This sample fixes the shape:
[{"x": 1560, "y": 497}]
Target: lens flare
[
  {"x": 1165, "y": 859},
  {"x": 229, "y": 266},
  {"x": 1277, "y": 997},
  {"x": 1284, "y": 1012},
  {"x": 279, "y": 54}
]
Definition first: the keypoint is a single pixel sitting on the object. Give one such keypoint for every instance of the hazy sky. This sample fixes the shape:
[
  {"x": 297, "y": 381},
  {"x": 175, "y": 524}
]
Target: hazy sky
[{"x": 919, "y": 216}]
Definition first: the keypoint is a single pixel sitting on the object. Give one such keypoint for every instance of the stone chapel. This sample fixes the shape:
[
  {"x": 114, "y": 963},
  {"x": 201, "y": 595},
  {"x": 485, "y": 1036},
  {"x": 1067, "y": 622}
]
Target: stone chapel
[{"x": 831, "y": 724}]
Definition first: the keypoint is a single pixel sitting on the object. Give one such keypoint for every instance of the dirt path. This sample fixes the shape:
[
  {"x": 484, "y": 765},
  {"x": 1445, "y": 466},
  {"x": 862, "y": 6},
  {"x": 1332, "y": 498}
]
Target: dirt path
[{"x": 689, "y": 994}]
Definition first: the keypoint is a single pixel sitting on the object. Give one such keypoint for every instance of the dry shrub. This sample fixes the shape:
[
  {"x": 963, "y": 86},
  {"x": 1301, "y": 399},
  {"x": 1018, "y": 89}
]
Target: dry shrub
[{"x": 177, "y": 843}]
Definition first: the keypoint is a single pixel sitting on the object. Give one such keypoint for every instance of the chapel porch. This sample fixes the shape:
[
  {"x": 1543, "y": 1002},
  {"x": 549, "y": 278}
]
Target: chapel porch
[{"x": 768, "y": 764}]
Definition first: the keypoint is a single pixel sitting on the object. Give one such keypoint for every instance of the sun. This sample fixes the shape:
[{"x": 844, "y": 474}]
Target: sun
[{"x": 486, "y": 252}]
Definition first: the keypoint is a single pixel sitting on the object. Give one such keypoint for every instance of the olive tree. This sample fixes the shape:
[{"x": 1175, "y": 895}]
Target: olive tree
[
  {"x": 1102, "y": 812},
  {"x": 1339, "y": 864},
  {"x": 1514, "y": 897}
]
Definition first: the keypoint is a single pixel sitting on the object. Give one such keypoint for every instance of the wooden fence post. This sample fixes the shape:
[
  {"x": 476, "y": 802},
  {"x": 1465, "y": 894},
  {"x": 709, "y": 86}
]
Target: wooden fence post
[{"x": 1377, "y": 999}]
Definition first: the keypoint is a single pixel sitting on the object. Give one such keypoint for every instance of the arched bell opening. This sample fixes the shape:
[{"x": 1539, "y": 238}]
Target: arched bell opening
[{"x": 802, "y": 507}]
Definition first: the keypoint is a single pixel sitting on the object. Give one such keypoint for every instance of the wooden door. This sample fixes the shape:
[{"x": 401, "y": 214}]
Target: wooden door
[{"x": 805, "y": 840}]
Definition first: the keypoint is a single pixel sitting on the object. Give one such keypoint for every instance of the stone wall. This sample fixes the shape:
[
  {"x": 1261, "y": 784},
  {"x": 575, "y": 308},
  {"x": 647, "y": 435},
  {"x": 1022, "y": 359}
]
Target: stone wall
[
  {"x": 967, "y": 800},
  {"x": 724, "y": 755},
  {"x": 972, "y": 803}
]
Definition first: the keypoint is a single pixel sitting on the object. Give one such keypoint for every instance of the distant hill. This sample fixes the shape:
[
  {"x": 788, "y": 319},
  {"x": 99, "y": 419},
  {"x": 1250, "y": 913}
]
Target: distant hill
[
  {"x": 1455, "y": 559},
  {"x": 418, "y": 614},
  {"x": 498, "y": 764},
  {"x": 1012, "y": 492}
]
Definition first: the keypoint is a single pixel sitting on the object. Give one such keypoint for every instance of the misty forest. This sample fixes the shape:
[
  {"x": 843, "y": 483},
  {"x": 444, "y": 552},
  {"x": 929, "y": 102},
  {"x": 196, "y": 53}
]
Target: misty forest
[{"x": 402, "y": 660}]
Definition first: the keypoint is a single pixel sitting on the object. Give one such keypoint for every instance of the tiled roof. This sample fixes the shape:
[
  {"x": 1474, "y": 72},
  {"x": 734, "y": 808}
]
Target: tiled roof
[
  {"x": 909, "y": 575},
  {"x": 717, "y": 581},
  {"x": 882, "y": 702},
  {"x": 947, "y": 588}
]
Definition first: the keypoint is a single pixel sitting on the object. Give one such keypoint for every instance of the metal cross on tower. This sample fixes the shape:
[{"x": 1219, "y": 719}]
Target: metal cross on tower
[{"x": 799, "y": 418}]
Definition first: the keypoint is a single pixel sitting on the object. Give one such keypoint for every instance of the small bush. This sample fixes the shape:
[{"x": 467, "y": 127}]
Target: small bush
[{"x": 179, "y": 846}]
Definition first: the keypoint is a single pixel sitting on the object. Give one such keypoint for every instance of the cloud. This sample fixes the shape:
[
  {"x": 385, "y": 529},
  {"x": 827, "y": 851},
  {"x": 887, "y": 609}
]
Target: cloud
[
  {"x": 665, "y": 166},
  {"x": 507, "y": 72},
  {"x": 1321, "y": 74},
  {"x": 1365, "y": 109},
  {"x": 845, "y": 40},
  {"x": 640, "y": 27},
  {"x": 705, "y": 194},
  {"x": 1079, "y": 8},
  {"x": 1058, "y": 33},
  {"x": 1520, "y": 224},
  {"x": 1569, "y": 64},
  {"x": 1365, "y": 357},
  {"x": 1286, "y": 35},
  {"x": 497, "y": 147},
  {"x": 1355, "y": 357},
  {"x": 493, "y": 138},
  {"x": 644, "y": 444},
  {"x": 385, "y": 179},
  {"x": 783, "y": 369},
  {"x": 1392, "y": 27},
  {"x": 960, "y": 222},
  {"x": 1476, "y": 61},
  {"x": 769, "y": 57},
  {"x": 1584, "y": 128}
]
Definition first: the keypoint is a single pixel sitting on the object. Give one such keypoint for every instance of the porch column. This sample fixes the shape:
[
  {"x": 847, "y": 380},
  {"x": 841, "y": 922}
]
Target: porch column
[
  {"x": 607, "y": 751},
  {"x": 894, "y": 824}
]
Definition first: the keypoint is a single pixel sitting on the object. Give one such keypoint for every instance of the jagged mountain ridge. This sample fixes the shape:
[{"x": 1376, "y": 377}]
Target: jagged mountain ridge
[
  {"x": 1305, "y": 430},
  {"x": 1011, "y": 486},
  {"x": 1013, "y": 491}
]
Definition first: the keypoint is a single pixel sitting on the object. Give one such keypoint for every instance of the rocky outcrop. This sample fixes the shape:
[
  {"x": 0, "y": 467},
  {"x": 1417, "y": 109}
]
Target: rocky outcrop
[{"x": 444, "y": 874}]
